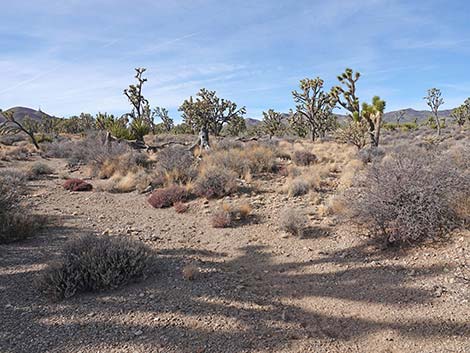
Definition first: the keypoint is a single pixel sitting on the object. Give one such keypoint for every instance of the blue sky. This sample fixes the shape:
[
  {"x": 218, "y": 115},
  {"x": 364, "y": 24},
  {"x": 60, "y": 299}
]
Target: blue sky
[{"x": 71, "y": 56}]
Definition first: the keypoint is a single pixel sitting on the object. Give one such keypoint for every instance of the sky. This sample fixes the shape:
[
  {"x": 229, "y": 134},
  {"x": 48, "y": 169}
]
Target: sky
[{"x": 73, "y": 56}]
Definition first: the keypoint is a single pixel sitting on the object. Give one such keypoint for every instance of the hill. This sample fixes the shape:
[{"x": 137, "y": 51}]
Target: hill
[
  {"x": 19, "y": 113},
  {"x": 410, "y": 116}
]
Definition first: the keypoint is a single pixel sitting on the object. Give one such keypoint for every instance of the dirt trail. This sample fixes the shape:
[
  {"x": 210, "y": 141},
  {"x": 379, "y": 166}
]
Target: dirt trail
[{"x": 258, "y": 290}]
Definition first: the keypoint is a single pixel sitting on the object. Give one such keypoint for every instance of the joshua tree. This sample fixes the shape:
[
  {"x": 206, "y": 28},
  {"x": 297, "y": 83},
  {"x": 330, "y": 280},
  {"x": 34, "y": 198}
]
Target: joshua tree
[
  {"x": 209, "y": 113},
  {"x": 13, "y": 126},
  {"x": 314, "y": 106},
  {"x": 140, "y": 115},
  {"x": 297, "y": 124},
  {"x": 236, "y": 126},
  {"x": 167, "y": 122},
  {"x": 399, "y": 116},
  {"x": 373, "y": 115},
  {"x": 345, "y": 95},
  {"x": 272, "y": 123},
  {"x": 461, "y": 114},
  {"x": 434, "y": 100}
]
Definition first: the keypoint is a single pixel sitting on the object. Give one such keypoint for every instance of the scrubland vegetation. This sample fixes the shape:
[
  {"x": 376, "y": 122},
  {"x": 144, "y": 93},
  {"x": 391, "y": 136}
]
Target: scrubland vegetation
[{"x": 401, "y": 189}]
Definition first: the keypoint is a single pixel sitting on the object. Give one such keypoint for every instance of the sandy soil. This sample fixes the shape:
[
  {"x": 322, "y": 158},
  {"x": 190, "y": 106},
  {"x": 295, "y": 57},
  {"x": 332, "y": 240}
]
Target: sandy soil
[{"x": 258, "y": 290}]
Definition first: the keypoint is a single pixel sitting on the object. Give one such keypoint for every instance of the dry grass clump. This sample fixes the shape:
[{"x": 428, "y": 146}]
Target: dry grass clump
[
  {"x": 253, "y": 159},
  {"x": 16, "y": 222},
  {"x": 38, "y": 170},
  {"x": 409, "y": 196},
  {"x": 167, "y": 197},
  {"x": 92, "y": 263},
  {"x": 177, "y": 164},
  {"x": 181, "y": 207},
  {"x": 304, "y": 158},
  {"x": 17, "y": 153},
  {"x": 293, "y": 222},
  {"x": 298, "y": 187},
  {"x": 214, "y": 182},
  {"x": 229, "y": 215}
]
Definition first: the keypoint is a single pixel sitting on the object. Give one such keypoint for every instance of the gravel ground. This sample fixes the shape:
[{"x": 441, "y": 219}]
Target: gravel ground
[{"x": 258, "y": 290}]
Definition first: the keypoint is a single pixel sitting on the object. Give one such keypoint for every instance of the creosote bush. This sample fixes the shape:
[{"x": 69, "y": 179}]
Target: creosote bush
[
  {"x": 95, "y": 263},
  {"x": 409, "y": 196},
  {"x": 293, "y": 222},
  {"x": 304, "y": 158},
  {"x": 167, "y": 197}
]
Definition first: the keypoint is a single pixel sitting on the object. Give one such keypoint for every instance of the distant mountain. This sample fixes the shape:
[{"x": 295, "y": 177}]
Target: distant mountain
[
  {"x": 410, "y": 116},
  {"x": 19, "y": 113}
]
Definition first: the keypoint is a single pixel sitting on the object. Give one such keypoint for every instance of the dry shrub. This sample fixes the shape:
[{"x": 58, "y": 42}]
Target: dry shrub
[
  {"x": 190, "y": 272},
  {"x": 293, "y": 222},
  {"x": 304, "y": 158},
  {"x": 229, "y": 215},
  {"x": 221, "y": 219},
  {"x": 214, "y": 182},
  {"x": 409, "y": 196},
  {"x": 38, "y": 170},
  {"x": 298, "y": 187},
  {"x": 77, "y": 185},
  {"x": 16, "y": 222},
  {"x": 18, "y": 153},
  {"x": 253, "y": 159},
  {"x": 177, "y": 164},
  {"x": 181, "y": 207},
  {"x": 167, "y": 197},
  {"x": 349, "y": 172},
  {"x": 95, "y": 263}
]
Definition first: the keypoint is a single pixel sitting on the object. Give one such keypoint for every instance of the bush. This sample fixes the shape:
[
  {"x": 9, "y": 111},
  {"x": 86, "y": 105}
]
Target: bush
[
  {"x": 292, "y": 222},
  {"x": 298, "y": 187},
  {"x": 215, "y": 182},
  {"x": 91, "y": 264},
  {"x": 77, "y": 185},
  {"x": 221, "y": 219},
  {"x": 177, "y": 164},
  {"x": 37, "y": 170},
  {"x": 180, "y": 207},
  {"x": 167, "y": 197},
  {"x": 15, "y": 222},
  {"x": 304, "y": 158},
  {"x": 409, "y": 196}
]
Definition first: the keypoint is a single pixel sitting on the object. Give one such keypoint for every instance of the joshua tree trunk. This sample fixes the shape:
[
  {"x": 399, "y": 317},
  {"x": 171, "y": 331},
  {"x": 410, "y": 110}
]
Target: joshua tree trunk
[
  {"x": 438, "y": 125},
  {"x": 378, "y": 124}
]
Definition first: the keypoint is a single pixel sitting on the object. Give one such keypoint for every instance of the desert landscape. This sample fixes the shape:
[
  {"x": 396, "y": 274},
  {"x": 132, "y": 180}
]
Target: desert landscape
[{"x": 234, "y": 177}]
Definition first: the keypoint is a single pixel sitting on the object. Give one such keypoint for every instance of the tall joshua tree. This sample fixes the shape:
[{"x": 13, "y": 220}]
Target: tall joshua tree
[
  {"x": 140, "y": 115},
  {"x": 434, "y": 100},
  {"x": 209, "y": 113},
  {"x": 272, "y": 123},
  {"x": 345, "y": 93},
  {"x": 373, "y": 114},
  {"x": 314, "y": 106}
]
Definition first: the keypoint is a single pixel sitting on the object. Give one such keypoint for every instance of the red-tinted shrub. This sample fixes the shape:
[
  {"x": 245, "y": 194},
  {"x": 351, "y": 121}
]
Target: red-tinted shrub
[
  {"x": 77, "y": 185},
  {"x": 167, "y": 197},
  {"x": 221, "y": 219},
  {"x": 180, "y": 207}
]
